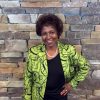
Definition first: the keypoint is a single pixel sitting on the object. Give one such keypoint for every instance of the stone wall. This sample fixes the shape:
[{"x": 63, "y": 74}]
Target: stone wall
[{"x": 81, "y": 19}]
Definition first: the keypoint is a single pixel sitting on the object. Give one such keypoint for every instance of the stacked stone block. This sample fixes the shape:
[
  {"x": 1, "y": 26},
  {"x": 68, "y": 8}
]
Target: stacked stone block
[{"x": 81, "y": 20}]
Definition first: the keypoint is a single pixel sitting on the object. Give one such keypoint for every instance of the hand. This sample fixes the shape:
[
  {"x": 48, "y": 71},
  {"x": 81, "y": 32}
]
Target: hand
[{"x": 66, "y": 88}]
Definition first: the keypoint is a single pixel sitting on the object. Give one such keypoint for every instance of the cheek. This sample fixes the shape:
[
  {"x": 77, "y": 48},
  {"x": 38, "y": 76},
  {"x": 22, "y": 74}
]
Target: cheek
[{"x": 43, "y": 38}]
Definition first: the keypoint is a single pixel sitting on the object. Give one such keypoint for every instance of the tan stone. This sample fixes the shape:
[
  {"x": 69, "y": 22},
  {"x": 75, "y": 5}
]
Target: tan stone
[
  {"x": 3, "y": 89},
  {"x": 11, "y": 54},
  {"x": 96, "y": 92},
  {"x": 41, "y": 4},
  {"x": 17, "y": 27},
  {"x": 7, "y": 70},
  {"x": 62, "y": 17},
  {"x": 11, "y": 84},
  {"x": 3, "y": 19},
  {"x": 97, "y": 28},
  {"x": 95, "y": 34},
  {"x": 90, "y": 41},
  {"x": 7, "y": 65},
  {"x": 66, "y": 27}
]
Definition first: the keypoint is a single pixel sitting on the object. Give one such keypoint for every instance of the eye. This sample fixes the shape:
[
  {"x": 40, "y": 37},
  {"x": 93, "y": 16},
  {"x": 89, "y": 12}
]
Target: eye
[
  {"x": 52, "y": 32},
  {"x": 43, "y": 34}
]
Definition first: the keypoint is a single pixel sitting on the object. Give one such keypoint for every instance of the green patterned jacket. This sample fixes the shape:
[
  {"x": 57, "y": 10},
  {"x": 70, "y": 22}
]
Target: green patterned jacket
[{"x": 74, "y": 65}]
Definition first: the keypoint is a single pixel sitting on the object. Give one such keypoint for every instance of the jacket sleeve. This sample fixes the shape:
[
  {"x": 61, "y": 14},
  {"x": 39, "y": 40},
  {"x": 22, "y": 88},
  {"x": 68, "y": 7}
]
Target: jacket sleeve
[
  {"x": 82, "y": 64},
  {"x": 28, "y": 78}
]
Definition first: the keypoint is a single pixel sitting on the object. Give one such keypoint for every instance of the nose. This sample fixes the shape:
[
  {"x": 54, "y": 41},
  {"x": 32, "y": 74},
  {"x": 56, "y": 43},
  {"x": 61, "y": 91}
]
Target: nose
[{"x": 48, "y": 35}]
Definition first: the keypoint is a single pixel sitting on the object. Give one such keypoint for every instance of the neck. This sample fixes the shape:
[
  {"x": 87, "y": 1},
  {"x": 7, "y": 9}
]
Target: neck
[{"x": 51, "y": 47}]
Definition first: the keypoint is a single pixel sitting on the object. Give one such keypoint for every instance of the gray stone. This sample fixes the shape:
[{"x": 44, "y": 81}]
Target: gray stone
[
  {"x": 91, "y": 97},
  {"x": 48, "y": 10},
  {"x": 9, "y": 3},
  {"x": 89, "y": 84},
  {"x": 71, "y": 41},
  {"x": 0, "y": 11},
  {"x": 94, "y": 4},
  {"x": 76, "y": 97},
  {"x": 11, "y": 54},
  {"x": 12, "y": 59},
  {"x": 13, "y": 10},
  {"x": 93, "y": 19},
  {"x": 32, "y": 10},
  {"x": 5, "y": 77},
  {"x": 4, "y": 98},
  {"x": 19, "y": 18},
  {"x": 73, "y": 20},
  {"x": 82, "y": 27},
  {"x": 96, "y": 74},
  {"x": 70, "y": 11},
  {"x": 16, "y": 45},
  {"x": 78, "y": 35},
  {"x": 34, "y": 18},
  {"x": 90, "y": 11},
  {"x": 94, "y": 62},
  {"x": 16, "y": 98},
  {"x": 75, "y": 4},
  {"x": 22, "y": 35},
  {"x": 6, "y": 35},
  {"x": 95, "y": 67},
  {"x": 2, "y": 41},
  {"x": 90, "y": 52}
]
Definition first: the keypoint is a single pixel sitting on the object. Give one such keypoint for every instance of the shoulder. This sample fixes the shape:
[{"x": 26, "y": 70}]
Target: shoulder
[
  {"x": 67, "y": 46},
  {"x": 35, "y": 49}
]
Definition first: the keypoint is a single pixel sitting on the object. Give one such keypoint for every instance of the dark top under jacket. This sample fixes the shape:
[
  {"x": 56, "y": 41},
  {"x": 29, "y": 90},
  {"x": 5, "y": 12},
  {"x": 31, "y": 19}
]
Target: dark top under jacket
[{"x": 55, "y": 80}]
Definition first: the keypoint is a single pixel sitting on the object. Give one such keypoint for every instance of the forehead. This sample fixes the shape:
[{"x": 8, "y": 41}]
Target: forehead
[{"x": 48, "y": 28}]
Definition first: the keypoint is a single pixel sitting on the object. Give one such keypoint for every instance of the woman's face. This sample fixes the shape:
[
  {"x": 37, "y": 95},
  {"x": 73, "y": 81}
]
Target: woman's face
[{"x": 49, "y": 36}]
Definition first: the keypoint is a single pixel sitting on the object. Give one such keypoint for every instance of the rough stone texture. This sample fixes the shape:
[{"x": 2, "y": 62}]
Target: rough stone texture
[
  {"x": 13, "y": 10},
  {"x": 96, "y": 74},
  {"x": 40, "y": 4},
  {"x": 95, "y": 34},
  {"x": 73, "y": 20},
  {"x": 91, "y": 51},
  {"x": 75, "y": 4},
  {"x": 11, "y": 83},
  {"x": 9, "y": 4},
  {"x": 97, "y": 28},
  {"x": 77, "y": 35},
  {"x": 15, "y": 45},
  {"x": 91, "y": 19},
  {"x": 62, "y": 17},
  {"x": 17, "y": 27},
  {"x": 11, "y": 54},
  {"x": 96, "y": 92},
  {"x": 33, "y": 35},
  {"x": 82, "y": 28},
  {"x": 3, "y": 19},
  {"x": 0, "y": 11},
  {"x": 34, "y": 18},
  {"x": 4, "y": 98},
  {"x": 19, "y": 18},
  {"x": 90, "y": 11}
]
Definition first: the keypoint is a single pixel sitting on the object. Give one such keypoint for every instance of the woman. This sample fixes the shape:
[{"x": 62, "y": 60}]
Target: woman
[{"x": 53, "y": 68}]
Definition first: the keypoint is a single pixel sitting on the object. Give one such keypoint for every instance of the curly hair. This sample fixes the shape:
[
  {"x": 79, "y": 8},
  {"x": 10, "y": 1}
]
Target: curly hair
[{"x": 49, "y": 19}]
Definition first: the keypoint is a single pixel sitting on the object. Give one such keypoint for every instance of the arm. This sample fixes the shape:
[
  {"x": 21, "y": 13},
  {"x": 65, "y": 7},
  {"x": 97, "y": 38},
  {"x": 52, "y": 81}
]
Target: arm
[
  {"x": 28, "y": 79},
  {"x": 83, "y": 67}
]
